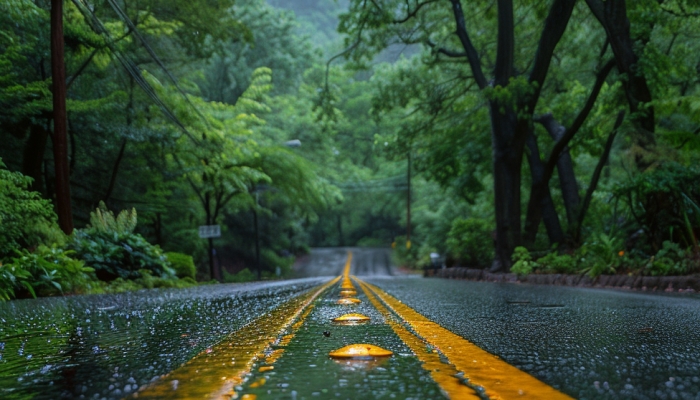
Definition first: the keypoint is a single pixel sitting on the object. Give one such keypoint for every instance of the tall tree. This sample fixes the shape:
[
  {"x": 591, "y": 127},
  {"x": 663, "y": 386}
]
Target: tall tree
[{"x": 60, "y": 139}]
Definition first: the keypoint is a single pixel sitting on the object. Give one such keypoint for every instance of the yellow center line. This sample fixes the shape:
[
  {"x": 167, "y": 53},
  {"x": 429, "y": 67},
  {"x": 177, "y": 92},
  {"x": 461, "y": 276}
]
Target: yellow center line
[
  {"x": 443, "y": 374},
  {"x": 499, "y": 379},
  {"x": 214, "y": 372}
]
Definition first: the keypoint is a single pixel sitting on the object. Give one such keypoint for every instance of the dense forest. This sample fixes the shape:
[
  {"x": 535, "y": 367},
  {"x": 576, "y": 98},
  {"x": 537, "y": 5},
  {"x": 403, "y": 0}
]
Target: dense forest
[{"x": 533, "y": 136}]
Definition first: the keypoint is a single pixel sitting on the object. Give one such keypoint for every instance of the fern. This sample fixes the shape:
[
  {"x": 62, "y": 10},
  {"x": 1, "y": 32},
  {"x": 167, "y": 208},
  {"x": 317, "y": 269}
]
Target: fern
[{"x": 102, "y": 220}]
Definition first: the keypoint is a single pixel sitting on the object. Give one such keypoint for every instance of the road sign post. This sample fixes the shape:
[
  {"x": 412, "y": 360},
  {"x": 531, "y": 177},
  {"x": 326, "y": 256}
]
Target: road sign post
[{"x": 210, "y": 232}]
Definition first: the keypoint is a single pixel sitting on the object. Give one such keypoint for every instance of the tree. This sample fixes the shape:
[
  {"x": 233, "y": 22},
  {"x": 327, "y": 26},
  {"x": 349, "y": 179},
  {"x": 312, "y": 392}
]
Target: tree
[
  {"x": 511, "y": 78},
  {"x": 59, "y": 139}
]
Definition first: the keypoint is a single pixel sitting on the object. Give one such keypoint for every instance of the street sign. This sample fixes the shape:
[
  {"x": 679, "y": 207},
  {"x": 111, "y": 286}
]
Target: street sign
[{"x": 209, "y": 231}]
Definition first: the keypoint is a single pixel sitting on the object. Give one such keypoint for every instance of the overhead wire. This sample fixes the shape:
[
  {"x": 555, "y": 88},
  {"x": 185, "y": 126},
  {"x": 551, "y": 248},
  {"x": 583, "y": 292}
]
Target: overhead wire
[{"x": 130, "y": 66}]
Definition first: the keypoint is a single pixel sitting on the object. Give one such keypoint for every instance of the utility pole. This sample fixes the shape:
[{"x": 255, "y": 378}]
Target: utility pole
[
  {"x": 408, "y": 204},
  {"x": 60, "y": 142}
]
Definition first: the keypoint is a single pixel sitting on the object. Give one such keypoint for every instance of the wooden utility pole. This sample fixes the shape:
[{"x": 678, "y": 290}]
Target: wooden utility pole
[
  {"x": 60, "y": 142},
  {"x": 408, "y": 204}
]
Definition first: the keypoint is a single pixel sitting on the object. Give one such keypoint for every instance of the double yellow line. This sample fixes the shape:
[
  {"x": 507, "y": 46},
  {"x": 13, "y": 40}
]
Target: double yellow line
[
  {"x": 471, "y": 373},
  {"x": 216, "y": 371},
  {"x": 482, "y": 371}
]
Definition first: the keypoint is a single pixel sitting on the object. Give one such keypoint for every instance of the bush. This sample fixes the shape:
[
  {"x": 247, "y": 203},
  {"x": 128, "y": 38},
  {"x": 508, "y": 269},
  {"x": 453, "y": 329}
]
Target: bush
[
  {"x": 671, "y": 259},
  {"x": 12, "y": 277},
  {"x": 470, "y": 241},
  {"x": 110, "y": 247},
  {"x": 665, "y": 202},
  {"x": 553, "y": 262},
  {"x": 270, "y": 260},
  {"x": 602, "y": 254},
  {"x": 119, "y": 256},
  {"x": 45, "y": 272},
  {"x": 25, "y": 217},
  {"x": 148, "y": 281},
  {"x": 242, "y": 276},
  {"x": 402, "y": 256},
  {"x": 522, "y": 262},
  {"x": 183, "y": 264}
]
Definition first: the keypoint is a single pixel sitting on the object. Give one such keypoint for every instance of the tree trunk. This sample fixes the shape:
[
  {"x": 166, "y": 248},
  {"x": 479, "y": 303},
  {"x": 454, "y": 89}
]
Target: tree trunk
[
  {"x": 612, "y": 15},
  {"x": 60, "y": 142},
  {"x": 33, "y": 158},
  {"x": 565, "y": 168},
  {"x": 549, "y": 212},
  {"x": 507, "y": 160}
]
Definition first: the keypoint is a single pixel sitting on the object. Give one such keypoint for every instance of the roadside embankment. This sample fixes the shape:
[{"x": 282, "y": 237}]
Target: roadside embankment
[{"x": 687, "y": 283}]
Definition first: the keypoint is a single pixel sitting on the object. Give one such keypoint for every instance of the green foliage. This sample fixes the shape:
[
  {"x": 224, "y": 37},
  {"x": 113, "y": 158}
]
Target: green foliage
[
  {"x": 470, "y": 241},
  {"x": 46, "y": 271},
  {"x": 403, "y": 255},
  {"x": 148, "y": 281},
  {"x": 663, "y": 201},
  {"x": 671, "y": 259},
  {"x": 25, "y": 218},
  {"x": 114, "y": 251},
  {"x": 13, "y": 277},
  {"x": 558, "y": 263},
  {"x": 114, "y": 255},
  {"x": 272, "y": 260},
  {"x": 522, "y": 262},
  {"x": 102, "y": 221},
  {"x": 601, "y": 254},
  {"x": 183, "y": 264},
  {"x": 242, "y": 276}
]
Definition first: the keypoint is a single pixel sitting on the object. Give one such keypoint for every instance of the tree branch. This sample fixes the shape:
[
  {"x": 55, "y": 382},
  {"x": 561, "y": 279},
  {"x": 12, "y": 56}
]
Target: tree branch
[
  {"x": 413, "y": 13},
  {"x": 578, "y": 122},
  {"x": 596, "y": 174},
  {"x": 554, "y": 27},
  {"x": 469, "y": 49},
  {"x": 449, "y": 53}
]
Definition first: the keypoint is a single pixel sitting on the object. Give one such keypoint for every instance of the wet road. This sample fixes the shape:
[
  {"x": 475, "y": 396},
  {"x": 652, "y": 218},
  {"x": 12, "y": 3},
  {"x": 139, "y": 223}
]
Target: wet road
[
  {"x": 329, "y": 262},
  {"x": 107, "y": 346},
  {"x": 587, "y": 343}
]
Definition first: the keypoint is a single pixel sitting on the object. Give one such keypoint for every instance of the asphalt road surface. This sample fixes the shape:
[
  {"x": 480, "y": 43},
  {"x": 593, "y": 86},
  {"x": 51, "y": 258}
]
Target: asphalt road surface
[
  {"x": 330, "y": 261},
  {"x": 273, "y": 339}
]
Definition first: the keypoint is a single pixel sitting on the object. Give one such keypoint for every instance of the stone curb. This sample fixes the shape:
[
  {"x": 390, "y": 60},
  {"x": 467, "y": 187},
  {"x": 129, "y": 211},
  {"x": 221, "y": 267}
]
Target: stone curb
[{"x": 686, "y": 283}]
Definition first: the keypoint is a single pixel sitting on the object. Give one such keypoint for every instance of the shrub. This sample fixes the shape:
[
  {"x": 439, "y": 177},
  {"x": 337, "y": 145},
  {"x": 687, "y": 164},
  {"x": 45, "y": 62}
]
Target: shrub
[
  {"x": 47, "y": 271},
  {"x": 119, "y": 256},
  {"x": 470, "y": 241},
  {"x": 601, "y": 254},
  {"x": 522, "y": 262},
  {"x": 183, "y": 264},
  {"x": 13, "y": 276},
  {"x": 664, "y": 201},
  {"x": 149, "y": 281},
  {"x": 553, "y": 262},
  {"x": 110, "y": 247},
  {"x": 270, "y": 260},
  {"x": 671, "y": 259},
  {"x": 25, "y": 217},
  {"x": 402, "y": 256},
  {"x": 241, "y": 276}
]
